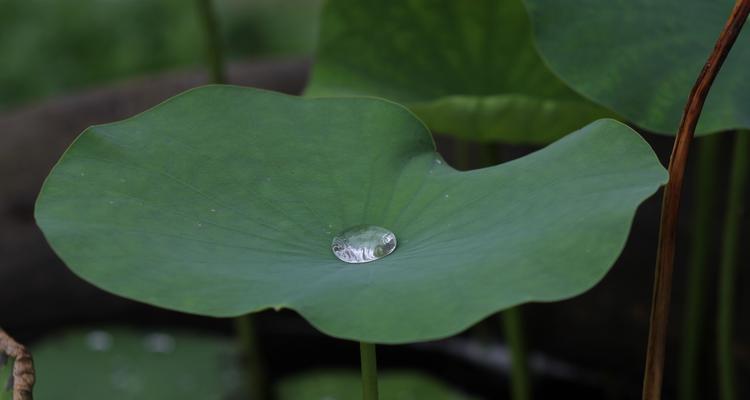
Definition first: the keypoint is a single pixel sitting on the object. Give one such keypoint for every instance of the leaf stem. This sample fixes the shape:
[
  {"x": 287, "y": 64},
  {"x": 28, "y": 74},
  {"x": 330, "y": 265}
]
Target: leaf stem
[
  {"x": 214, "y": 49},
  {"x": 520, "y": 382},
  {"x": 653, "y": 375},
  {"x": 256, "y": 385},
  {"x": 728, "y": 266},
  {"x": 369, "y": 367},
  {"x": 702, "y": 241},
  {"x": 462, "y": 154},
  {"x": 512, "y": 318},
  {"x": 255, "y": 377}
]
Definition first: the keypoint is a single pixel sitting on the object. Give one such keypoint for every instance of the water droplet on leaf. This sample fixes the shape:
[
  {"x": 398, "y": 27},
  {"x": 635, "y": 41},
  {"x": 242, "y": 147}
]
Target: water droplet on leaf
[{"x": 363, "y": 243}]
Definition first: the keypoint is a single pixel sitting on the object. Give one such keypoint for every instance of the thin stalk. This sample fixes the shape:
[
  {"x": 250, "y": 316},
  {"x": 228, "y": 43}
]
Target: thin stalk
[
  {"x": 462, "y": 154},
  {"x": 369, "y": 367},
  {"x": 255, "y": 375},
  {"x": 214, "y": 48},
  {"x": 520, "y": 382},
  {"x": 488, "y": 155},
  {"x": 654, "y": 369},
  {"x": 512, "y": 320},
  {"x": 702, "y": 241},
  {"x": 728, "y": 268}
]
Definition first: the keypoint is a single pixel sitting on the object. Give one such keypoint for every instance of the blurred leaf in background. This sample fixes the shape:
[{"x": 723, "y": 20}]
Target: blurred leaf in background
[
  {"x": 466, "y": 68},
  {"x": 53, "y": 46},
  {"x": 120, "y": 364},
  {"x": 127, "y": 364}
]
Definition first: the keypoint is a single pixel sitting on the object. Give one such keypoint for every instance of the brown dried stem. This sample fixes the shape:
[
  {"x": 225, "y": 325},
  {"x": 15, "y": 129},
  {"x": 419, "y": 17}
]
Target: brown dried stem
[
  {"x": 23, "y": 367},
  {"x": 652, "y": 382}
]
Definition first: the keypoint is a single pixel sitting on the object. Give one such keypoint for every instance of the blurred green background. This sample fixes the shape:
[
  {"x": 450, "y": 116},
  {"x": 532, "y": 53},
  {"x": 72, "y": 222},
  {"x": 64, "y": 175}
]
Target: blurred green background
[{"x": 62, "y": 45}]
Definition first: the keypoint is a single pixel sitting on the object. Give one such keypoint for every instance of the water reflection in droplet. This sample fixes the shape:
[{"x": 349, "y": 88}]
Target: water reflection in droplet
[{"x": 363, "y": 243}]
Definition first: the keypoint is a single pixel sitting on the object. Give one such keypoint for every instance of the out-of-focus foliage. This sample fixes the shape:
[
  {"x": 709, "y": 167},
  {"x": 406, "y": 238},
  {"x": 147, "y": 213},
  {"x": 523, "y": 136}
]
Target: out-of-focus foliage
[
  {"x": 51, "y": 46},
  {"x": 124, "y": 364},
  {"x": 5, "y": 371}
]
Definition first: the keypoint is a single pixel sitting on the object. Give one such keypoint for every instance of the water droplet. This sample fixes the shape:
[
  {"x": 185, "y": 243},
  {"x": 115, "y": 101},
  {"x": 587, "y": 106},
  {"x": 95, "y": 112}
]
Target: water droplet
[
  {"x": 159, "y": 343},
  {"x": 447, "y": 195},
  {"x": 99, "y": 341},
  {"x": 199, "y": 224},
  {"x": 213, "y": 210},
  {"x": 363, "y": 243},
  {"x": 438, "y": 162}
]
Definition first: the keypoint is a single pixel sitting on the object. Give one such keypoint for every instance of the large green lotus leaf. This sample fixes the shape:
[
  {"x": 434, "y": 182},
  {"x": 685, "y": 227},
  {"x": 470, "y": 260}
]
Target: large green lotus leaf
[
  {"x": 640, "y": 58},
  {"x": 224, "y": 201},
  {"x": 344, "y": 385},
  {"x": 124, "y": 364},
  {"x": 467, "y": 68}
]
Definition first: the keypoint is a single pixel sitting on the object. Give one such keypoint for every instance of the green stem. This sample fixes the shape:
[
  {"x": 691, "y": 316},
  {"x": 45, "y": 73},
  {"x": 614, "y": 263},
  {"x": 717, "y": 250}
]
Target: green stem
[
  {"x": 462, "y": 154},
  {"x": 512, "y": 320},
  {"x": 369, "y": 371},
  {"x": 255, "y": 378},
  {"x": 728, "y": 267},
  {"x": 214, "y": 48},
  {"x": 488, "y": 155},
  {"x": 520, "y": 382},
  {"x": 702, "y": 241}
]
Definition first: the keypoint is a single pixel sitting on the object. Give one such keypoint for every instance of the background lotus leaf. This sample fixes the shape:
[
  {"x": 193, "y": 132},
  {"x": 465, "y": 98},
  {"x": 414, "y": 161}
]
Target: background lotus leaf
[
  {"x": 640, "y": 58},
  {"x": 467, "y": 68},
  {"x": 125, "y": 364},
  {"x": 224, "y": 201}
]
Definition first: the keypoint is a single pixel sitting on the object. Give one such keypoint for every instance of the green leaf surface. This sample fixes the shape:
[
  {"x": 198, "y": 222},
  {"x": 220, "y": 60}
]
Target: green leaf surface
[
  {"x": 640, "y": 58},
  {"x": 225, "y": 200},
  {"x": 467, "y": 68},
  {"x": 125, "y": 364},
  {"x": 346, "y": 385}
]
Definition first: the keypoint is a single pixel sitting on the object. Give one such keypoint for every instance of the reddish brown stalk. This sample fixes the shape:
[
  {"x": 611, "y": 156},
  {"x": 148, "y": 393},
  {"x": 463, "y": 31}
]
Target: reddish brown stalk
[
  {"x": 23, "y": 367},
  {"x": 652, "y": 382}
]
